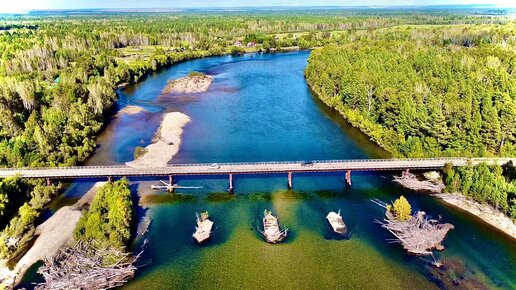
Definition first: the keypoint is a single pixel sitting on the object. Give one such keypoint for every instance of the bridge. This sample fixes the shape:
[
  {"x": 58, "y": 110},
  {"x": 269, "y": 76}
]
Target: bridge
[{"x": 230, "y": 169}]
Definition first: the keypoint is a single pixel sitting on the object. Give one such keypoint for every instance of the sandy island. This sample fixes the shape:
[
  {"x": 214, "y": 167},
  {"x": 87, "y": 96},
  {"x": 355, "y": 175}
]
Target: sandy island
[
  {"x": 130, "y": 110},
  {"x": 52, "y": 235},
  {"x": 483, "y": 211},
  {"x": 167, "y": 142},
  {"x": 193, "y": 83}
]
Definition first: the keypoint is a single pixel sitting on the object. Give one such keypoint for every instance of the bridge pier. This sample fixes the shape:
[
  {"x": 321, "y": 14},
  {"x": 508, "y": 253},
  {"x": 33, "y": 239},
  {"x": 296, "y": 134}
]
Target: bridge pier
[
  {"x": 405, "y": 172},
  {"x": 230, "y": 189},
  {"x": 290, "y": 183},
  {"x": 49, "y": 181},
  {"x": 110, "y": 179},
  {"x": 348, "y": 177},
  {"x": 171, "y": 180}
]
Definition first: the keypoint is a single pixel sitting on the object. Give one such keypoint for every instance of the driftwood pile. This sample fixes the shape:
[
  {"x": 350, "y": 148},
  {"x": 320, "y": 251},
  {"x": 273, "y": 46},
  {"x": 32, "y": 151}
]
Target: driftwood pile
[
  {"x": 411, "y": 181},
  {"x": 418, "y": 235},
  {"x": 84, "y": 267}
]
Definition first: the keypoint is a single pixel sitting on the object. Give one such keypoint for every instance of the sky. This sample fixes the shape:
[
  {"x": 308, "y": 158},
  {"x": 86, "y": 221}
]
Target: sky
[{"x": 10, "y": 6}]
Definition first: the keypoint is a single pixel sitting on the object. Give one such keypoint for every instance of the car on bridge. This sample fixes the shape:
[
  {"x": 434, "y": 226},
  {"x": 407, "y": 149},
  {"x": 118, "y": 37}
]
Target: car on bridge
[
  {"x": 214, "y": 166},
  {"x": 307, "y": 163}
]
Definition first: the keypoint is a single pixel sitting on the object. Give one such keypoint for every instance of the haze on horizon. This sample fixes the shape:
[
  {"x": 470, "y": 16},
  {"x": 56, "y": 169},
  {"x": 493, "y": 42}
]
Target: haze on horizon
[{"x": 10, "y": 6}]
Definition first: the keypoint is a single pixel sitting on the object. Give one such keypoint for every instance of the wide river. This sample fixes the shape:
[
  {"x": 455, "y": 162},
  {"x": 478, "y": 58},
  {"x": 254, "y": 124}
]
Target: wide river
[{"x": 259, "y": 108}]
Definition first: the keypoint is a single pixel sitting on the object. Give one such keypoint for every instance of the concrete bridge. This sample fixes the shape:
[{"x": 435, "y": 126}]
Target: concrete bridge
[{"x": 230, "y": 169}]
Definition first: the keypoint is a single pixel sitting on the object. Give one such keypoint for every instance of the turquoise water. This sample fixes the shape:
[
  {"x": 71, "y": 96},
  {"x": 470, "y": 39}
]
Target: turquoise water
[{"x": 260, "y": 109}]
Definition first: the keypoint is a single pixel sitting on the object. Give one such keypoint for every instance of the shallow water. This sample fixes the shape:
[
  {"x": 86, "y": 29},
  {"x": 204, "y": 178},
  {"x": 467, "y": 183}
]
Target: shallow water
[{"x": 260, "y": 109}]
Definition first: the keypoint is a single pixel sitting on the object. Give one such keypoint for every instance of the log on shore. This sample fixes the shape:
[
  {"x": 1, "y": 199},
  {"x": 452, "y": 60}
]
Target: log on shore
[{"x": 411, "y": 181}]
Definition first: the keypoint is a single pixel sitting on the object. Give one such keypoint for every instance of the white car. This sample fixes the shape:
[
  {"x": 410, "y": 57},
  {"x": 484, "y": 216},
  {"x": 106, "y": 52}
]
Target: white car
[{"x": 214, "y": 166}]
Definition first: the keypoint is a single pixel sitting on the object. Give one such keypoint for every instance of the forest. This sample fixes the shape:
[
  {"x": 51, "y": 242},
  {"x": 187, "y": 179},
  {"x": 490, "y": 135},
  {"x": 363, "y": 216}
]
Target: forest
[
  {"x": 108, "y": 220},
  {"x": 495, "y": 185},
  {"x": 59, "y": 75},
  {"x": 427, "y": 92}
]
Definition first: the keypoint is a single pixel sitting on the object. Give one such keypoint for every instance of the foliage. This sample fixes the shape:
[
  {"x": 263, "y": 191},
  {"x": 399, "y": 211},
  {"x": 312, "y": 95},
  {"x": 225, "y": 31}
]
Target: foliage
[
  {"x": 109, "y": 217},
  {"x": 13, "y": 193},
  {"x": 20, "y": 230},
  {"x": 485, "y": 184},
  {"x": 401, "y": 209},
  {"x": 417, "y": 97},
  {"x": 139, "y": 151}
]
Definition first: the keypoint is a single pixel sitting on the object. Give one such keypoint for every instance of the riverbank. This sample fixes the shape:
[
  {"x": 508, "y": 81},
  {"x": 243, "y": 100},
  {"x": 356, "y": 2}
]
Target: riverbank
[
  {"x": 483, "y": 211},
  {"x": 166, "y": 143},
  {"x": 52, "y": 236}
]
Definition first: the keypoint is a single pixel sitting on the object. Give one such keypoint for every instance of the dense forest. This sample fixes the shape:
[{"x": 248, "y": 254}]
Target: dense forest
[
  {"x": 426, "y": 93},
  {"x": 494, "y": 185},
  {"x": 108, "y": 220}
]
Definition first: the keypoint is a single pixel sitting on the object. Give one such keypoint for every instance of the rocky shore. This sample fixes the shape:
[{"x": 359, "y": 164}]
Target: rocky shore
[
  {"x": 483, "y": 211},
  {"x": 193, "y": 83}
]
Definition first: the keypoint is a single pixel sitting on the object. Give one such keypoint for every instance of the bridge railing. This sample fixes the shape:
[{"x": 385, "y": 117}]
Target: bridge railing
[
  {"x": 123, "y": 166},
  {"x": 318, "y": 161}
]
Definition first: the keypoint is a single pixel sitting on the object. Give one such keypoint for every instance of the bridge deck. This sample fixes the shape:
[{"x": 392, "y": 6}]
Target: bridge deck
[{"x": 245, "y": 168}]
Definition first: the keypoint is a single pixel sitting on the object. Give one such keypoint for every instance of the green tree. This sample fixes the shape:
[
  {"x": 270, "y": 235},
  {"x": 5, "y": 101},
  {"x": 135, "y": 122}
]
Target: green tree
[{"x": 401, "y": 209}]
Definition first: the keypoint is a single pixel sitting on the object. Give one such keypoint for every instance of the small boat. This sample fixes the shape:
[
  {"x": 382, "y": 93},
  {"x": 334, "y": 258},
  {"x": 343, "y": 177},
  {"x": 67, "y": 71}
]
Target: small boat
[
  {"x": 336, "y": 222},
  {"x": 203, "y": 228},
  {"x": 271, "y": 229}
]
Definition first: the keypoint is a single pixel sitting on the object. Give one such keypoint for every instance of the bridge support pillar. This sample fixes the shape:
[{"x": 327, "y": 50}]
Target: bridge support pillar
[
  {"x": 230, "y": 189},
  {"x": 290, "y": 183},
  {"x": 348, "y": 177},
  {"x": 171, "y": 180},
  {"x": 110, "y": 179},
  {"x": 406, "y": 172},
  {"x": 49, "y": 182}
]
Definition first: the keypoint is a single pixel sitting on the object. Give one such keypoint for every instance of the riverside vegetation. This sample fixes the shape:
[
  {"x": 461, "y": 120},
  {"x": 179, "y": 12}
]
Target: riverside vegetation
[
  {"x": 494, "y": 185},
  {"x": 58, "y": 76},
  {"x": 431, "y": 92},
  {"x": 426, "y": 92},
  {"x": 98, "y": 260}
]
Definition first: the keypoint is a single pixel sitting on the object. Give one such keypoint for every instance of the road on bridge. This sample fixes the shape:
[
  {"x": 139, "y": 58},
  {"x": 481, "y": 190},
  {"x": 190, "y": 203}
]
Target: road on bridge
[{"x": 245, "y": 168}]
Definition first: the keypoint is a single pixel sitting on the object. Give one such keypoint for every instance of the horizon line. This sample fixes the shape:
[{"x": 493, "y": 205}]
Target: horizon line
[{"x": 136, "y": 9}]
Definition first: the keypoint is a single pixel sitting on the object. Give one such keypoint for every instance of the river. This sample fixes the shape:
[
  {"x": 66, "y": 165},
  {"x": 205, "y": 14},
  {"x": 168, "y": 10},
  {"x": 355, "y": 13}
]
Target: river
[{"x": 259, "y": 108}]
